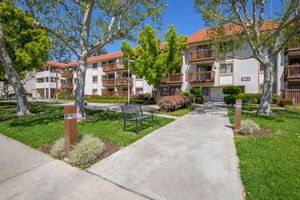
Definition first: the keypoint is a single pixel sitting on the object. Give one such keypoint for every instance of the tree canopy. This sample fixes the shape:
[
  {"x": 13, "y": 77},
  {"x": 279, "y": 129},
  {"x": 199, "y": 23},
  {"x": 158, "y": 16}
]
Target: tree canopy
[
  {"x": 153, "y": 59},
  {"x": 85, "y": 27},
  {"x": 26, "y": 44},
  {"x": 245, "y": 24}
]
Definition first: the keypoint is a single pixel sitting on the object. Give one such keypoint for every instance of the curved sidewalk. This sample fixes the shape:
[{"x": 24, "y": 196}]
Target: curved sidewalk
[{"x": 192, "y": 158}]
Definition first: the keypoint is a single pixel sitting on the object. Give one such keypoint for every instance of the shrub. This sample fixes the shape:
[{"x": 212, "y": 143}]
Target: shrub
[
  {"x": 285, "y": 102},
  {"x": 256, "y": 97},
  {"x": 248, "y": 127},
  {"x": 185, "y": 93},
  {"x": 147, "y": 95},
  {"x": 197, "y": 92},
  {"x": 230, "y": 99},
  {"x": 86, "y": 151},
  {"x": 58, "y": 149},
  {"x": 231, "y": 93},
  {"x": 171, "y": 103},
  {"x": 232, "y": 90}
]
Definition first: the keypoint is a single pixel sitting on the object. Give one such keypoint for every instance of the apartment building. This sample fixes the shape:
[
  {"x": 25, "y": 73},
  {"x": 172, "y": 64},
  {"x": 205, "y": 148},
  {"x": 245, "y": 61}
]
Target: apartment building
[{"x": 106, "y": 74}]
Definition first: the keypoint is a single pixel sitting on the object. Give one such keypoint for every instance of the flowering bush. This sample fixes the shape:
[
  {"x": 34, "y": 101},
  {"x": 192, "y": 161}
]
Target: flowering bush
[{"x": 171, "y": 103}]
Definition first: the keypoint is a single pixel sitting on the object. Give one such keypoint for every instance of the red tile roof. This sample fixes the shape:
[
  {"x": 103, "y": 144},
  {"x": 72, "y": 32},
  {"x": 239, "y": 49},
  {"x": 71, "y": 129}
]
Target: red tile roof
[
  {"x": 230, "y": 30},
  {"x": 55, "y": 64}
]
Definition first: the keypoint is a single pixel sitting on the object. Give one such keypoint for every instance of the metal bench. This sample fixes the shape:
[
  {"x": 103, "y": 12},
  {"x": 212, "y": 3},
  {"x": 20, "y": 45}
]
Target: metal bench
[{"x": 134, "y": 113}]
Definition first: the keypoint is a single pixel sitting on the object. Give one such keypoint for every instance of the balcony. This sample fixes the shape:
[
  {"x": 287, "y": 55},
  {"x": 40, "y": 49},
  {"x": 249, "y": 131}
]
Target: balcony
[
  {"x": 292, "y": 72},
  {"x": 66, "y": 86},
  {"x": 116, "y": 82},
  {"x": 114, "y": 93},
  {"x": 293, "y": 49},
  {"x": 44, "y": 74},
  {"x": 67, "y": 74},
  {"x": 201, "y": 77},
  {"x": 292, "y": 94},
  {"x": 113, "y": 67},
  {"x": 173, "y": 78},
  {"x": 203, "y": 55}
]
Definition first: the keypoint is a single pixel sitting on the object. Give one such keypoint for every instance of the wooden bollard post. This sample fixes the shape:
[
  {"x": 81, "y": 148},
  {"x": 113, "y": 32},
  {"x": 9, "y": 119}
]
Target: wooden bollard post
[
  {"x": 237, "y": 119},
  {"x": 70, "y": 123}
]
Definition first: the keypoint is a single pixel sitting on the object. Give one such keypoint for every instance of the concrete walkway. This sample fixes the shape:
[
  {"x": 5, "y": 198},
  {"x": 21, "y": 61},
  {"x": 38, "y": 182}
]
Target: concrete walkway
[
  {"x": 192, "y": 158},
  {"x": 28, "y": 174}
]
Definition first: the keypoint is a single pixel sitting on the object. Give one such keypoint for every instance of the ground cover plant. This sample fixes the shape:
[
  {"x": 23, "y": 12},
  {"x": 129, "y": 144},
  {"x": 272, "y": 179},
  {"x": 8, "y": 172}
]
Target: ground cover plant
[
  {"x": 270, "y": 164},
  {"x": 177, "y": 113}
]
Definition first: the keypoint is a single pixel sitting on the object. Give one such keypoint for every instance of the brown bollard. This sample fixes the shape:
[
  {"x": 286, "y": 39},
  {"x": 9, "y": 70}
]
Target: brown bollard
[
  {"x": 238, "y": 111},
  {"x": 70, "y": 122}
]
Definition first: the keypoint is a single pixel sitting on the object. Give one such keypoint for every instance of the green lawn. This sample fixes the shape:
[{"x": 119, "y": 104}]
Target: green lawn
[
  {"x": 47, "y": 126},
  {"x": 177, "y": 113},
  {"x": 270, "y": 165}
]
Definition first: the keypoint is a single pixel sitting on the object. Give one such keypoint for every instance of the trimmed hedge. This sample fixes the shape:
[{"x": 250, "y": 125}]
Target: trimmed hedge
[
  {"x": 197, "y": 92},
  {"x": 256, "y": 97},
  {"x": 231, "y": 93},
  {"x": 285, "y": 102}
]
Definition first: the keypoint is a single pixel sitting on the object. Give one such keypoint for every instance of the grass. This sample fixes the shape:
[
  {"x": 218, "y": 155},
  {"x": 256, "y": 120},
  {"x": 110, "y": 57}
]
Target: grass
[
  {"x": 47, "y": 126},
  {"x": 270, "y": 165},
  {"x": 177, "y": 113}
]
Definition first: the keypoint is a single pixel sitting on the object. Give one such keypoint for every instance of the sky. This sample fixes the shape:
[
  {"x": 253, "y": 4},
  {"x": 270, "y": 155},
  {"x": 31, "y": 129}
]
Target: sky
[
  {"x": 179, "y": 13},
  {"x": 182, "y": 14}
]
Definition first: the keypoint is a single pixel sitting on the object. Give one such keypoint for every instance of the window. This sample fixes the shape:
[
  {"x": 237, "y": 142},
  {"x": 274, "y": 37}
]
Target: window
[
  {"x": 95, "y": 65},
  {"x": 205, "y": 91},
  {"x": 226, "y": 68},
  {"x": 95, "y": 79},
  {"x": 139, "y": 91},
  {"x": 95, "y": 91}
]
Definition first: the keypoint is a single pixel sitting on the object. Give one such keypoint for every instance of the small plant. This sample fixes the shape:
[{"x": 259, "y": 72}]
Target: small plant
[
  {"x": 231, "y": 93},
  {"x": 197, "y": 92},
  {"x": 86, "y": 151},
  {"x": 248, "y": 127},
  {"x": 58, "y": 149}
]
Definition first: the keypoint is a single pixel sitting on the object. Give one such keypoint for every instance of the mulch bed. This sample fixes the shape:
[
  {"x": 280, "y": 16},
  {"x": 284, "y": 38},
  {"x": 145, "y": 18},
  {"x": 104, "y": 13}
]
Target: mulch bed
[
  {"x": 109, "y": 149},
  {"x": 262, "y": 132}
]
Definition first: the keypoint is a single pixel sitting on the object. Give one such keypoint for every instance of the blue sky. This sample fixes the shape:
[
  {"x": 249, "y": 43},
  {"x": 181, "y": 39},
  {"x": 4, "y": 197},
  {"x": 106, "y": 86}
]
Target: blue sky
[{"x": 181, "y": 14}]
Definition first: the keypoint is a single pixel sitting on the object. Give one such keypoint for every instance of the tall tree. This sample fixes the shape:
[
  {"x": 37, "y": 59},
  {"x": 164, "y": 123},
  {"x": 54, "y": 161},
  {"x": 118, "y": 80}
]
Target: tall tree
[
  {"x": 22, "y": 48},
  {"x": 85, "y": 27},
  {"x": 248, "y": 21},
  {"x": 155, "y": 60}
]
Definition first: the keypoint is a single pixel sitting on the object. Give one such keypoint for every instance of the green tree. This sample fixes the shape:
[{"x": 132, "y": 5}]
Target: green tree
[
  {"x": 247, "y": 21},
  {"x": 155, "y": 60},
  {"x": 22, "y": 48},
  {"x": 85, "y": 27}
]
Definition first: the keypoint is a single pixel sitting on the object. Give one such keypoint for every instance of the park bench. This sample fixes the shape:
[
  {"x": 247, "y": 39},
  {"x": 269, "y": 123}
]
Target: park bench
[{"x": 134, "y": 113}]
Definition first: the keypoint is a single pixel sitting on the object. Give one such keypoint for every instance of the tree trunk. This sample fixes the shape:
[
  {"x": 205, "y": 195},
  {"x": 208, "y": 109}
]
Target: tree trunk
[
  {"x": 80, "y": 84},
  {"x": 82, "y": 61},
  {"x": 266, "y": 99},
  {"x": 13, "y": 78}
]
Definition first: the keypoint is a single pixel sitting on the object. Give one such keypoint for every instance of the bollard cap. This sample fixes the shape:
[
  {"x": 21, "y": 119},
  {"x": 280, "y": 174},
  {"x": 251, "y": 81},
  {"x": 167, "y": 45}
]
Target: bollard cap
[{"x": 70, "y": 109}]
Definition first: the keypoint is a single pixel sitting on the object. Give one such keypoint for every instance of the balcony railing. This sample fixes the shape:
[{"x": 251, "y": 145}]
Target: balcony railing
[
  {"x": 201, "y": 77},
  {"x": 114, "y": 93},
  {"x": 206, "y": 54},
  {"x": 66, "y": 86},
  {"x": 113, "y": 67},
  {"x": 292, "y": 94},
  {"x": 294, "y": 45},
  {"x": 115, "y": 82},
  {"x": 292, "y": 72},
  {"x": 67, "y": 74},
  {"x": 173, "y": 78}
]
